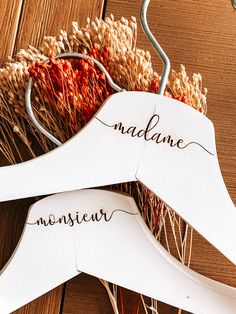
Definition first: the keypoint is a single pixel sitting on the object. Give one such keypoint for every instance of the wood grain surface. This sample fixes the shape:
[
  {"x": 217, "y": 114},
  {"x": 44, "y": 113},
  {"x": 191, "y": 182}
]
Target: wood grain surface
[
  {"x": 199, "y": 34},
  {"x": 9, "y": 20},
  {"x": 40, "y": 18}
]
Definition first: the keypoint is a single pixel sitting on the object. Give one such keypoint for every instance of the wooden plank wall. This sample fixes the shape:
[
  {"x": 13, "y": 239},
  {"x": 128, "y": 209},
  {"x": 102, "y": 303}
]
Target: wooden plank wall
[{"x": 199, "y": 34}]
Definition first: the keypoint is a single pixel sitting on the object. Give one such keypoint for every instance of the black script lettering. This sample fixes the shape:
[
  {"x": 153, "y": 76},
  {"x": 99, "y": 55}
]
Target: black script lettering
[
  {"x": 180, "y": 141},
  {"x": 41, "y": 221},
  {"x": 166, "y": 139},
  {"x": 52, "y": 220},
  {"x": 119, "y": 127},
  {"x": 158, "y": 137},
  {"x": 140, "y": 133},
  {"x": 108, "y": 218},
  {"x": 66, "y": 220},
  {"x": 131, "y": 130},
  {"x": 70, "y": 219},
  {"x": 150, "y": 127}
]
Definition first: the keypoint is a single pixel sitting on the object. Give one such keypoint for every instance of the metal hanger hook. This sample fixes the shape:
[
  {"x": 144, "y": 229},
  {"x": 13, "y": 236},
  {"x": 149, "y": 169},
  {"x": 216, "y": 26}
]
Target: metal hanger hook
[
  {"x": 28, "y": 90},
  {"x": 234, "y": 4},
  {"x": 157, "y": 47}
]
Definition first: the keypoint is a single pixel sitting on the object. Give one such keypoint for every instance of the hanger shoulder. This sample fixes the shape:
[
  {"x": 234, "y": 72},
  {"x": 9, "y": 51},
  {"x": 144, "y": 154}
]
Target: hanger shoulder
[
  {"x": 98, "y": 155},
  {"x": 70, "y": 232},
  {"x": 187, "y": 175},
  {"x": 42, "y": 260},
  {"x": 131, "y": 257}
]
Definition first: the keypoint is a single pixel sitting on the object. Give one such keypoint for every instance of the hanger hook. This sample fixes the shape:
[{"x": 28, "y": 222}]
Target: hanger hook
[
  {"x": 157, "y": 47},
  {"x": 29, "y": 88},
  {"x": 234, "y": 4}
]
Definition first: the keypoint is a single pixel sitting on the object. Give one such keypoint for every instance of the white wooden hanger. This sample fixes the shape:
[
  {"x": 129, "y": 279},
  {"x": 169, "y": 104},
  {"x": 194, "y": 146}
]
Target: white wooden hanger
[
  {"x": 159, "y": 141},
  {"x": 102, "y": 233},
  {"x": 187, "y": 179}
]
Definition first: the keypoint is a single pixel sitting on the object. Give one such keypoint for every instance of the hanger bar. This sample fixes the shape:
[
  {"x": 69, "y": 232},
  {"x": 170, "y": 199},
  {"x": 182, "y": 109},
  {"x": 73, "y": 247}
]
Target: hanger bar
[{"x": 157, "y": 47}]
